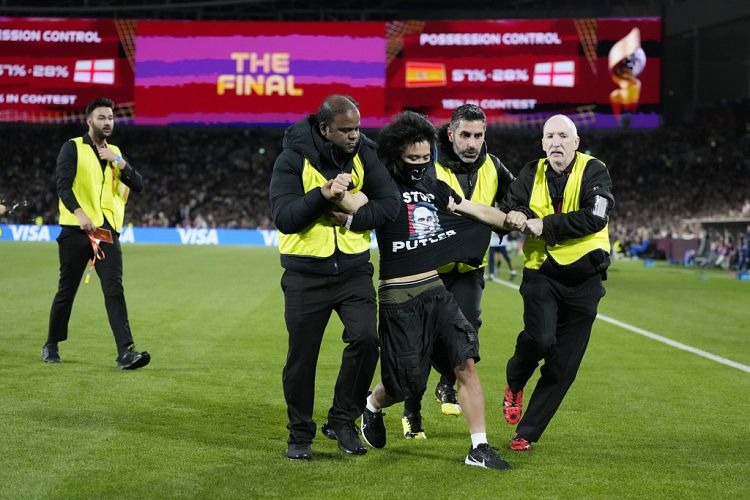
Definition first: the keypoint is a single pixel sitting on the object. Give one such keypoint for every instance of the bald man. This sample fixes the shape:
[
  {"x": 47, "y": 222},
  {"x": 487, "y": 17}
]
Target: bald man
[{"x": 566, "y": 198}]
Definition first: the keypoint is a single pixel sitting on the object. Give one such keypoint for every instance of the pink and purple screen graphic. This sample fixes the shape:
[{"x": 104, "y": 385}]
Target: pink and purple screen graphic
[{"x": 271, "y": 73}]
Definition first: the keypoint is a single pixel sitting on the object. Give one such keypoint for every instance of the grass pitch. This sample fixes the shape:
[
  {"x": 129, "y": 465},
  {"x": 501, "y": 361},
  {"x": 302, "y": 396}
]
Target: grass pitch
[{"x": 207, "y": 418}]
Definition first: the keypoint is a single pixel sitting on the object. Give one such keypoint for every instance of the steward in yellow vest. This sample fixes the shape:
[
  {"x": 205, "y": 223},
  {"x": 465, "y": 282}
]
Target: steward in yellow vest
[
  {"x": 328, "y": 190},
  {"x": 310, "y": 239},
  {"x": 565, "y": 200},
  {"x": 93, "y": 182},
  {"x": 100, "y": 191},
  {"x": 574, "y": 205}
]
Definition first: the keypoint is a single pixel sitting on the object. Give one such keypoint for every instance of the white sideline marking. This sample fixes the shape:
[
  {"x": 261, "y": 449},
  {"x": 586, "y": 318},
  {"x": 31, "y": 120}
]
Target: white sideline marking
[{"x": 654, "y": 336}]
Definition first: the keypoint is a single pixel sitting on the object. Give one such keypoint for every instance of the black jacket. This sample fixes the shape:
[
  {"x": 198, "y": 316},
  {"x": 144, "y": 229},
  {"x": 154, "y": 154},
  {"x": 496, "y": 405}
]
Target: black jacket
[
  {"x": 293, "y": 210},
  {"x": 564, "y": 226},
  {"x": 466, "y": 173}
]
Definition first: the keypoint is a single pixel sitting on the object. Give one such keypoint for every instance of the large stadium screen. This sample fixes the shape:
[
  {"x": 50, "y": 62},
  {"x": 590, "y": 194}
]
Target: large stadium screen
[
  {"x": 51, "y": 68},
  {"x": 270, "y": 73},
  {"x": 602, "y": 72}
]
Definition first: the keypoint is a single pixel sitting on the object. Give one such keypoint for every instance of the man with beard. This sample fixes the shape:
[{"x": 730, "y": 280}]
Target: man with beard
[
  {"x": 324, "y": 242},
  {"x": 420, "y": 323},
  {"x": 93, "y": 183},
  {"x": 466, "y": 166}
]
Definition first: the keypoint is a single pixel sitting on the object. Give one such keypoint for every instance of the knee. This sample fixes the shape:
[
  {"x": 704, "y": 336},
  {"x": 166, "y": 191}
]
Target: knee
[
  {"x": 540, "y": 343},
  {"x": 466, "y": 374},
  {"x": 365, "y": 342}
]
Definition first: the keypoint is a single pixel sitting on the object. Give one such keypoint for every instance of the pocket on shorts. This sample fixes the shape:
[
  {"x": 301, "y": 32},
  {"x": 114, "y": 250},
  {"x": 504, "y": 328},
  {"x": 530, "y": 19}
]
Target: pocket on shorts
[{"x": 409, "y": 373}]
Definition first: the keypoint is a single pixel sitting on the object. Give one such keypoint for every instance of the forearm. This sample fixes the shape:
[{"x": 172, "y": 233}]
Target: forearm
[
  {"x": 131, "y": 177},
  {"x": 292, "y": 214},
  {"x": 352, "y": 202},
  {"x": 483, "y": 213}
]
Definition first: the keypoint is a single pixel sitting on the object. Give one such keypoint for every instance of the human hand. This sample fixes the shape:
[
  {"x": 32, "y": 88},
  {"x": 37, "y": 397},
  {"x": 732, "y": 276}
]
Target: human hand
[
  {"x": 105, "y": 153},
  {"x": 341, "y": 184},
  {"x": 84, "y": 221},
  {"x": 515, "y": 220},
  {"x": 337, "y": 218},
  {"x": 108, "y": 155},
  {"x": 325, "y": 190},
  {"x": 534, "y": 227},
  {"x": 351, "y": 202},
  {"x": 451, "y": 205},
  {"x": 335, "y": 188}
]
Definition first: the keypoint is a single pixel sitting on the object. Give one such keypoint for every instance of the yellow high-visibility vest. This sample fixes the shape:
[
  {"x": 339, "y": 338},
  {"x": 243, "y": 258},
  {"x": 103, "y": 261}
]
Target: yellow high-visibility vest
[
  {"x": 99, "y": 193},
  {"x": 535, "y": 249},
  {"x": 484, "y": 193},
  {"x": 322, "y": 237}
]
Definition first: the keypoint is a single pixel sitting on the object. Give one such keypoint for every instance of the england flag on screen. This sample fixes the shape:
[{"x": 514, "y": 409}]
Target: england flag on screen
[
  {"x": 555, "y": 74},
  {"x": 95, "y": 71}
]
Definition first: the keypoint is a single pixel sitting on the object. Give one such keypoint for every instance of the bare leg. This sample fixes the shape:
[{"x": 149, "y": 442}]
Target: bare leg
[
  {"x": 471, "y": 397},
  {"x": 380, "y": 399}
]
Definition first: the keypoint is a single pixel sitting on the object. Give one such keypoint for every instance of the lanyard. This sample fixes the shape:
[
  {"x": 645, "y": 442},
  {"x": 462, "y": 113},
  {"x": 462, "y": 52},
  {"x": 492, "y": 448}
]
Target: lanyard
[{"x": 98, "y": 255}]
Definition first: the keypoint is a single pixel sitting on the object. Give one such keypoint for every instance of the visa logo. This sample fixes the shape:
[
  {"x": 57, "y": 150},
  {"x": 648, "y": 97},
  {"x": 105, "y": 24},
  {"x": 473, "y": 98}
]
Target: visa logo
[
  {"x": 192, "y": 236},
  {"x": 270, "y": 237},
  {"x": 128, "y": 235},
  {"x": 30, "y": 233}
]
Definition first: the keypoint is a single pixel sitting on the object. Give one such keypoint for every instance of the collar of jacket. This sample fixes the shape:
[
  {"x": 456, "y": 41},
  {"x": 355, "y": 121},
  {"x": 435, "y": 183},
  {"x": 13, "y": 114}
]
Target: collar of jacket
[{"x": 304, "y": 138}]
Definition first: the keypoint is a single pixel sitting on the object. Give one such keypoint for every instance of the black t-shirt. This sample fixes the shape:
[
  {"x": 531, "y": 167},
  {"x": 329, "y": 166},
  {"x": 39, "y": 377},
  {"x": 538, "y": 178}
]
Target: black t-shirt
[{"x": 425, "y": 236}]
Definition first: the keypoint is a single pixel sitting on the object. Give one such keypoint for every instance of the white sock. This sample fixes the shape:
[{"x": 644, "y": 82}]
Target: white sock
[
  {"x": 370, "y": 405},
  {"x": 478, "y": 438}
]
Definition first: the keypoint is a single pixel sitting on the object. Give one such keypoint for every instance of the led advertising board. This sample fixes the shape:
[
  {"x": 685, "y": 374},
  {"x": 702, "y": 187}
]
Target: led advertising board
[
  {"x": 51, "y": 68},
  {"x": 599, "y": 71},
  {"x": 266, "y": 73}
]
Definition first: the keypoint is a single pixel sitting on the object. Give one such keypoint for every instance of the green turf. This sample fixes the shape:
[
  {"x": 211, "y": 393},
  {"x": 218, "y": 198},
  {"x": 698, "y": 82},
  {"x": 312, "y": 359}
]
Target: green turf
[{"x": 206, "y": 419}]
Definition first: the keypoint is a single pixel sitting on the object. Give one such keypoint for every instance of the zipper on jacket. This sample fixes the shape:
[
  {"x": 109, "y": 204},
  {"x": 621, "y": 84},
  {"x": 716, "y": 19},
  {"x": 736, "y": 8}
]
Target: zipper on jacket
[{"x": 335, "y": 250}]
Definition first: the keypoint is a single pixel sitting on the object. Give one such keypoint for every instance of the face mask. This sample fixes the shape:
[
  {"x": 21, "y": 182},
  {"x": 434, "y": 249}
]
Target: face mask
[{"x": 413, "y": 172}]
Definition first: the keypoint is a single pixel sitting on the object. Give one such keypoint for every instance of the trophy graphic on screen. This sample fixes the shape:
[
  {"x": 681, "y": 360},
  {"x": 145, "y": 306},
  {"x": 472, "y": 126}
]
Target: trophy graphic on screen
[{"x": 626, "y": 62}]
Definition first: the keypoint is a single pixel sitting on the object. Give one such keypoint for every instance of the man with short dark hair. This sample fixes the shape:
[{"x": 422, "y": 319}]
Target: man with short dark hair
[
  {"x": 328, "y": 190},
  {"x": 93, "y": 183}
]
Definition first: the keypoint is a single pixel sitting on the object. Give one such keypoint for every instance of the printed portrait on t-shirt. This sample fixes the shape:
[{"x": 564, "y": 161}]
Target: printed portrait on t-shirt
[{"x": 423, "y": 220}]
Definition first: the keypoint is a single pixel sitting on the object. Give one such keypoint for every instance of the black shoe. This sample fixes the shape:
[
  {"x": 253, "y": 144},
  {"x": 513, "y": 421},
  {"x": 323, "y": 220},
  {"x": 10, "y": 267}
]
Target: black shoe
[
  {"x": 299, "y": 451},
  {"x": 346, "y": 435},
  {"x": 50, "y": 354},
  {"x": 132, "y": 359},
  {"x": 373, "y": 429},
  {"x": 327, "y": 431},
  {"x": 485, "y": 457}
]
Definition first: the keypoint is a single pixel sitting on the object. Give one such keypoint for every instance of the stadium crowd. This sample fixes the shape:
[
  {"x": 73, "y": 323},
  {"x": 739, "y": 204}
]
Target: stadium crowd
[{"x": 219, "y": 176}]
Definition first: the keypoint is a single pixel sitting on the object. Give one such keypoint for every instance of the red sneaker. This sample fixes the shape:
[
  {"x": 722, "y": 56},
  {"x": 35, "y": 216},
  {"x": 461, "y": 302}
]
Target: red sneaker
[
  {"x": 519, "y": 444},
  {"x": 512, "y": 405}
]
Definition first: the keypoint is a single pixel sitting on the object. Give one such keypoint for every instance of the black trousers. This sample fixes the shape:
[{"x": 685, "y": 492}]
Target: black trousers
[
  {"x": 309, "y": 301},
  {"x": 557, "y": 327},
  {"x": 467, "y": 289},
  {"x": 75, "y": 252}
]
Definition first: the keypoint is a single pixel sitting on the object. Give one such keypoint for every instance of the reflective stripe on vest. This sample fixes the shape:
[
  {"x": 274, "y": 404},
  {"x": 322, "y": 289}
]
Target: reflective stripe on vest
[
  {"x": 322, "y": 237},
  {"x": 535, "y": 249},
  {"x": 484, "y": 193},
  {"x": 97, "y": 192}
]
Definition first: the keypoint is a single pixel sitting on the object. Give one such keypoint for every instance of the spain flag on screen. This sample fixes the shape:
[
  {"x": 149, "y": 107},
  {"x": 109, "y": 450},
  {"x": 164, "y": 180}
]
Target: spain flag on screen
[{"x": 422, "y": 74}]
